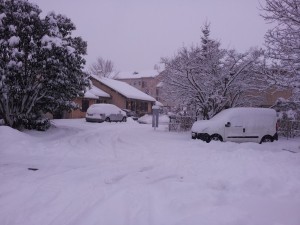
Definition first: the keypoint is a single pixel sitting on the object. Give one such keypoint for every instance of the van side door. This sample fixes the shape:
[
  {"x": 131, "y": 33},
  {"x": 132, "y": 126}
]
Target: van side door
[
  {"x": 234, "y": 130},
  {"x": 253, "y": 128}
]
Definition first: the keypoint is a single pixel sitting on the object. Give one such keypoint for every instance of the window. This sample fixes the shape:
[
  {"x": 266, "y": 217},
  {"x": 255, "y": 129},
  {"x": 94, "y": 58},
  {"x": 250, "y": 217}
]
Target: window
[
  {"x": 85, "y": 105},
  {"x": 101, "y": 101},
  {"x": 144, "y": 106},
  {"x": 131, "y": 105}
]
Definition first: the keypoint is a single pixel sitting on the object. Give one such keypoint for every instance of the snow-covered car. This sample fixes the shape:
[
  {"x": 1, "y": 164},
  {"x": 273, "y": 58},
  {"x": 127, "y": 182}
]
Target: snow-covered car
[
  {"x": 131, "y": 114},
  {"x": 238, "y": 125},
  {"x": 105, "y": 112}
]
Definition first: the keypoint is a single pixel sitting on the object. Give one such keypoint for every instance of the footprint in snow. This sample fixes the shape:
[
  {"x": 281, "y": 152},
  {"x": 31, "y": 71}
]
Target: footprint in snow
[
  {"x": 146, "y": 168},
  {"x": 114, "y": 180}
]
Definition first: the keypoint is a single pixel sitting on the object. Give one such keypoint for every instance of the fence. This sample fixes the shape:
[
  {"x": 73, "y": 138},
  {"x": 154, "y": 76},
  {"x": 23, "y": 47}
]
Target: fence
[
  {"x": 181, "y": 123},
  {"x": 289, "y": 128}
]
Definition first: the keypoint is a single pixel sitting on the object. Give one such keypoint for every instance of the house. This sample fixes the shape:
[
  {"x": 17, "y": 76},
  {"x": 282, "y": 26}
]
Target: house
[
  {"x": 149, "y": 82},
  {"x": 91, "y": 96},
  {"x": 272, "y": 95},
  {"x": 124, "y": 95},
  {"x": 121, "y": 94},
  {"x": 146, "y": 81}
]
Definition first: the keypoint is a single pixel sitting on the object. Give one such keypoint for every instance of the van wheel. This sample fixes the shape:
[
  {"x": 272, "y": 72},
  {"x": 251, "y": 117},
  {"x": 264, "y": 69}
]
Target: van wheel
[
  {"x": 267, "y": 138},
  {"x": 216, "y": 137},
  {"x": 107, "y": 119}
]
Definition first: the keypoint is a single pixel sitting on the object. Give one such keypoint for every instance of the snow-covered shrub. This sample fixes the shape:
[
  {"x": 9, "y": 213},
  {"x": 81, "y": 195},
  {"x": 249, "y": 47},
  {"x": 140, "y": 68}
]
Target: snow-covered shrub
[
  {"x": 40, "y": 124},
  {"x": 40, "y": 64},
  {"x": 289, "y": 117}
]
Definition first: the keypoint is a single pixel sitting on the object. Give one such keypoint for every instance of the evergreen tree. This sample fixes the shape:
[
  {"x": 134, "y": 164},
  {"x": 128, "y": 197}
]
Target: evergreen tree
[
  {"x": 209, "y": 78},
  {"x": 41, "y": 64}
]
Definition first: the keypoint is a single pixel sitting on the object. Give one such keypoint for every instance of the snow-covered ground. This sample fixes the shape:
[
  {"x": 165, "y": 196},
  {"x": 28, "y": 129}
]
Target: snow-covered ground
[{"x": 130, "y": 174}]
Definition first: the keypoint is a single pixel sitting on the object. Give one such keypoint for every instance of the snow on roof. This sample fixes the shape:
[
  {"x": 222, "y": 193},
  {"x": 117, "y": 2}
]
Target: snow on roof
[
  {"x": 98, "y": 92},
  {"x": 159, "y": 104},
  {"x": 89, "y": 94},
  {"x": 137, "y": 74},
  {"x": 125, "y": 89},
  {"x": 95, "y": 93},
  {"x": 160, "y": 84}
]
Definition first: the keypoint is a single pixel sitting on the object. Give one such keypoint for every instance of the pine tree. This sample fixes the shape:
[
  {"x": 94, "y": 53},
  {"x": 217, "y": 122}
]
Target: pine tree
[
  {"x": 209, "y": 78},
  {"x": 41, "y": 64}
]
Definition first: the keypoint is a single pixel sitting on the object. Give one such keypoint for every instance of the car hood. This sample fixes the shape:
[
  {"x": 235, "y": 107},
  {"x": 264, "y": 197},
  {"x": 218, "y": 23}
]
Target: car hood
[
  {"x": 206, "y": 126},
  {"x": 201, "y": 125}
]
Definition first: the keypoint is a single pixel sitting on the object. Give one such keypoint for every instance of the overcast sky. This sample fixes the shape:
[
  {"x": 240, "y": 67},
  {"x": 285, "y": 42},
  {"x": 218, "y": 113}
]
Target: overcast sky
[{"x": 135, "y": 34}]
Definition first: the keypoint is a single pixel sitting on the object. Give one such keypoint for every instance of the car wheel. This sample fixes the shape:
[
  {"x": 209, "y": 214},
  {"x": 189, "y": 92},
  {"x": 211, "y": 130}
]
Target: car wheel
[
  {"x": 206, "y": 138},
  {"x": 267, "y": 138},
  {"x": 216, "y": 137},
  {"x": 107, "y": 119},
  {"x": 124, "y": 119}
]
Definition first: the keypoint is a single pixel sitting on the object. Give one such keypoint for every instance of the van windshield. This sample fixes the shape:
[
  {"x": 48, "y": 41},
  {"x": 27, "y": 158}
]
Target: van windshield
[{"x": 219, "y": 115}]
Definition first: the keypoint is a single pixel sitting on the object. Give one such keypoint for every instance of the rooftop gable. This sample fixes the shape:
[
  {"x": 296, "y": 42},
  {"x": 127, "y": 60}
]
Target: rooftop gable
[
  {"x": 124, "y": 89},
  {"x": 95, "y": 93}
]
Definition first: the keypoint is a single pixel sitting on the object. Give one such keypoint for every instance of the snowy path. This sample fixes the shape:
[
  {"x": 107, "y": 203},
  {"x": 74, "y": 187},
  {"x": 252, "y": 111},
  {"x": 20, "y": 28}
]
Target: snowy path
[{"x": 127, "y": 173}]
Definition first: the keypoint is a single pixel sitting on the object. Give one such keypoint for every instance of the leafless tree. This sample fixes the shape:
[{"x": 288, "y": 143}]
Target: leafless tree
[
  {"x": 102, "y": 68},
  {"x": 283, "y": 42}
]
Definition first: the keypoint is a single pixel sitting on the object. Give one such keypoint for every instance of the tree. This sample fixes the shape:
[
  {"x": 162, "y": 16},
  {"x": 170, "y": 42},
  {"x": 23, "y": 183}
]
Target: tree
[
  {"x": 282, "y": 42},
  {"x": 208, "y": 77},
  {"x": 102, "y": 68},
  {"x": 41, "y": 64}
]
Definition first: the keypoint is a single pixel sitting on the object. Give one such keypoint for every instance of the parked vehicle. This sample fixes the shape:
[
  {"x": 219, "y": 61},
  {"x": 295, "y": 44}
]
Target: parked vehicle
[
  {"x": 105, "y": 112},
  {"x": 131, "y": 114},
  {"x": 238, "y": 125}
]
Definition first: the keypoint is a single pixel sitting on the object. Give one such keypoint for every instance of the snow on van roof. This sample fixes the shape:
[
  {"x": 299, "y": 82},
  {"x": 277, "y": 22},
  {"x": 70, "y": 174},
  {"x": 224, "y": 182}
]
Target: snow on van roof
[
  {"x": 125, "y": 89},
  {"x": 245, "y": 110},
  {"x": 249, "y": 110}
]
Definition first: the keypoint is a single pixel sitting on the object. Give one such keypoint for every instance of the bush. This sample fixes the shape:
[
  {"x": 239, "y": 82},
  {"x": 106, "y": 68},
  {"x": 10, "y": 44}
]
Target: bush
[{"x": 40, "y": 124}]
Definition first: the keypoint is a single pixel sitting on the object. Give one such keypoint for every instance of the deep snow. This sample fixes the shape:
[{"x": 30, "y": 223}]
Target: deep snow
[{"x": 129, "y": 174}]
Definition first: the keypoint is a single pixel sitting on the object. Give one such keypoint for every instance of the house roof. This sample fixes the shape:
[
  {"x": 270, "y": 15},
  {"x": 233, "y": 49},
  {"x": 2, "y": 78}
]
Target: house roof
[
  {"x": 137, "y": 74},
  {"x": 95, "y": 93},
  {"x": 160, "y": 84},
  {"x": 124, "y": 89}
]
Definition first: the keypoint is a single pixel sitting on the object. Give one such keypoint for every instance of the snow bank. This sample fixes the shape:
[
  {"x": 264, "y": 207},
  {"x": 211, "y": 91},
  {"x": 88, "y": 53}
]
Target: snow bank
[
  {"x": 147, "y": 119},
  {"x": 127, "y": 173},
  {"x": 8, "y": 134}
]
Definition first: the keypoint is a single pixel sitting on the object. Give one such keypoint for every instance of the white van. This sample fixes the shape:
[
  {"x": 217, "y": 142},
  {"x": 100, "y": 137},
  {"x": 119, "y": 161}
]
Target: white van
[{"x": 239, "y": 125}]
